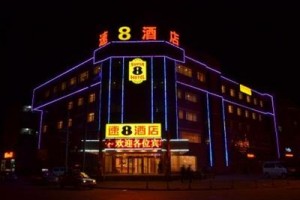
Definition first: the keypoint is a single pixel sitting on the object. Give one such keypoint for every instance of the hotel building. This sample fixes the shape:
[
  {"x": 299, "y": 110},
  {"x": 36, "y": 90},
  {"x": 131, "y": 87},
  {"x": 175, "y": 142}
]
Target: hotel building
[{"x": 144, "y": 107}]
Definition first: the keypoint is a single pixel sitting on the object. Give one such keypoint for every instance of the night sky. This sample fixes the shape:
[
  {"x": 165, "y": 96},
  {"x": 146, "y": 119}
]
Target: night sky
[{"x": 256, "y": 44}]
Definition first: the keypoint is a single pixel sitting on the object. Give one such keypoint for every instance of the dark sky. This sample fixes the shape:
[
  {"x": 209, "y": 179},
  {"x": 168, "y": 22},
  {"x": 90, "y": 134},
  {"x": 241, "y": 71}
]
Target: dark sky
[{"x": 256, "y": 44}]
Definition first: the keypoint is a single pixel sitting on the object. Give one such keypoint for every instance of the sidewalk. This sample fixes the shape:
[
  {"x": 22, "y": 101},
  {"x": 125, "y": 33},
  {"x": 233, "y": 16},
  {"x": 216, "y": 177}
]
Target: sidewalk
[{"x": 217, "y": 183}]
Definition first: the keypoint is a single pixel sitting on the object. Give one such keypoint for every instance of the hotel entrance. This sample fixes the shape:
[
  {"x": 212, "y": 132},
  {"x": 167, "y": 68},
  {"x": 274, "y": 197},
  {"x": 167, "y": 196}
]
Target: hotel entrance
[{"x": 132, "y": 163}]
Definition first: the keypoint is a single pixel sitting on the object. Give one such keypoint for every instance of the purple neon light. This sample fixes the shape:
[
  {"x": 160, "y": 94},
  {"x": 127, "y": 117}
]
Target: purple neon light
[
  {"x": 209, "y": 131},
  {"x": 196, "y": 88},
  {"x": 123, "y": 76},
  {"x": 49, "y": 81},
  {"x": 40, "y": 128},
  {"x": 275, "y": 128},
  {"x": 63, "y": 97},
  {"x": 201, "y": 63},
  {"x": 109, "y": 92},
  {"x": 225, "y": 134},
  {"x": 152, "y": 93},
  {"x": 165, "y": 94},
  {"x": 146, "y": 41}
]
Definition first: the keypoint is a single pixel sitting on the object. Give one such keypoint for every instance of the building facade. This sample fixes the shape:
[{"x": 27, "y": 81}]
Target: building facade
[{"x": 144, "y": 107}]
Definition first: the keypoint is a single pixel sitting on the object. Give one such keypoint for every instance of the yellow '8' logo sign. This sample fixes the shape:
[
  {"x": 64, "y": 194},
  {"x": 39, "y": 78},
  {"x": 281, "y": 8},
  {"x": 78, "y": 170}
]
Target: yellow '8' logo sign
[{"x": 124, "y": 33}]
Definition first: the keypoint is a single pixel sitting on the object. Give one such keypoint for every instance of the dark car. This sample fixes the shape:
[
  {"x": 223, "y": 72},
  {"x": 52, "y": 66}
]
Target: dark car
[{"x": 77, "y": 179}]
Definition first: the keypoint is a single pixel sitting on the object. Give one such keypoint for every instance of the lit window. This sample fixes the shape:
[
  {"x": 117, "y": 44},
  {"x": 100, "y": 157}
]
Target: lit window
[
  {"x": 253, "y": 115},
  {"x": 70, "y": 122},
  {"x": 190, "y": 116},
  {"x": 96, "y": 70},
  {"x": 179, "y": 94},
  {"x": 239, "y": 111},
  {"x": 91, "y": 117},
  {"x": 190, "y": 97},
  {"x": 184, "y": 70},
  {"x": 60, "y": 125},
  {"x": 248, "y": 99},
  {"x": 92, "y": 98},
  {"x": 73, "y": 81},
  {"x": 192, "y": 137},
  {"x": 230, "y": 108},
  {"x": 63, "y": 86},
  {"x": 45, "y": 128},
  {"x": 84, "y": 76},
  {"x": 261, "y": 103},
  {"x": 180, "y": 114},
  {"x": 201, "y": 76},
  {"x": 260, "y": 117},
  {"x": 255, "y": 101},
  {"x": 80, "y": 101},
  {"x": 246, "y": 113},
  {"x": 223, "y": 88},
  {"x": 240, "y": 95},
  {"x": 232, "y": 92},
  {"x": 70, "y": 105}
]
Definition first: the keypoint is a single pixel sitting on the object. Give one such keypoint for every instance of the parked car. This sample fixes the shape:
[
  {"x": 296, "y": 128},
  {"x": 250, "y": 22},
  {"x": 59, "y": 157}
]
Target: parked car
[
  {"x": 277, "y": 169},
  {"x": 77, "y": 179}
]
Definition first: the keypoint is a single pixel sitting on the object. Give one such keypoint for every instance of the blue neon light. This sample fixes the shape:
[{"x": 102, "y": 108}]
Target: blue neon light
[
  {"x": 165, "y": 94},
  {"x": 152, "y": 94},
  {"x": 209, "y": 131},
  {"x": 109, "y": 92},
  {"x": 176, "y": 103},
  {"x": 225, "y": 134},
  {"x": 275, "y": 128},
  {"x": 40, "y": 128},
  {"x": 122, "y": 103},
  {"x": 201, "y": 63}
]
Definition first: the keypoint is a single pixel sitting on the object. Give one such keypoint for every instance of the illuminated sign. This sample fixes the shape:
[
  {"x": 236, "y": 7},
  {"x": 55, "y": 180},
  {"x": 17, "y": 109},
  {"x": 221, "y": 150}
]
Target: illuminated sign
[
  {"x": 245, "y": 90},
  {"x": 133, "y": 143},
  {"x": 147, "y": 33},
  {"x": 137, "y": 71},
  {"x": 9, "y": 154},
  {"x": 133, "y": 131}
]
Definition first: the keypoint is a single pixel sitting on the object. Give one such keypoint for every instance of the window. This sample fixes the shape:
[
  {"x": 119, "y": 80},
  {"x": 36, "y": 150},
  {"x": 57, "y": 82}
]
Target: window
[
  {"x": 63, "y": 86},
  {"x": 248, "y": 99},
  {"x": 184, "y": 70},
  {"x": 73, "y": 81},
  {"x": 190, "y": 97},
  {"x": 261, "y": 103},
  {"x": 179, "y": 94},
  {"x": 92, "y": 98},
  {"x": 232, "y": 92},
  {"x": 70, "y": 105},
  {"x": 223, "y": 88},
  {"x": 201, "y": 76},
  {"x": 230, "y": 108},
  {"x": 54, "y": 89},
  {"x": 239, "y": 111},
  {"x": 246, "y": 113},
  {"x": 253, "y": 115},
  {"x": 84, "y": 76},
  {"x": 47, "y": 94},
  {"x": 255, "y": 101},
  {"x": 60, "y": 124},
  {"x": 190, "y": 116},
  {"x": 91, "y": 117},
  {"x": 45, "y": 128},
  {"x": 80, "y": 101},
  {"x": 241, "y": 96},
  {"x": 70, "y": 122},
  {"x": 180, "y": 114},
  {"x": 192, "y": 137},
  {"x": 96, "y": 70}
]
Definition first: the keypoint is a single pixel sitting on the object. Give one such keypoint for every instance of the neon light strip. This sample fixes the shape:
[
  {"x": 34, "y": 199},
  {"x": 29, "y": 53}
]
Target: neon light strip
[
  {"x": 131, "y": 149},
  {"x": 152, "y": 94},
  {"x": 40, "y": 128},
  {"x": 176, "y": 104},
  {"x": 90, "y": 140},
  {"x": 100, "y": 106},
  {"x": 63, "y": 97},
  {"x": 209, "y": 130},
  {"x": 177, "y": 140},
  {"x": 275, "y": 128},
  {"x": 151, "y": 56},
  {"x": 165, "y": 94},
  {"x": 58, "y": 99},
  {"x": 176, "y": 150},
  {"x": 122, "y": 101},
  {"x": 230, "y": 80},
  {"x": 109, "y": 92},
  {"x": 225, "y": 134},
  {"x": 216, "y": 95},
  {"x": 63, "y": 73},
  {"x": 201, "y": 63}
]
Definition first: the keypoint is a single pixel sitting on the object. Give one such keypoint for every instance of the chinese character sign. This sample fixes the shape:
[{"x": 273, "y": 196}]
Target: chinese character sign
[
  {"x": 133, "y": 130},
  {"x": 133, "y": 143}
]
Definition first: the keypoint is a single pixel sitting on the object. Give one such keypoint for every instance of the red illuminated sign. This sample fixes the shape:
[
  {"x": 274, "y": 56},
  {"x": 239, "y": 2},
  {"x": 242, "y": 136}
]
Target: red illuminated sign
[
  {"x": 133, "y": 143},
  {"x": 147, "y": 33}
]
